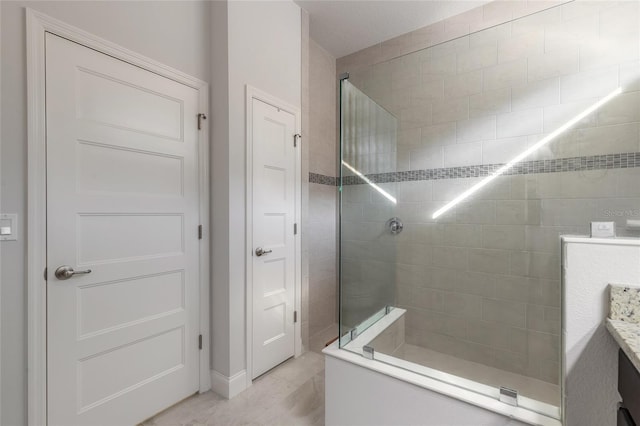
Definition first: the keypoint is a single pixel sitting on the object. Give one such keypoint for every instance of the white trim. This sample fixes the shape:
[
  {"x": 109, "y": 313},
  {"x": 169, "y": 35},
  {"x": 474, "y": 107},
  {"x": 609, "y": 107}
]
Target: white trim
[
  {"x": 36, "y": 223},
  {"x": 228, "y": 387},
  {"x": 1, "y": 286},
  {"x": 585, "y": 239},
  {"x": 253, "y": 93},
  {"x": 37, "y": 25},
  {"x": 205, "y": 243}
]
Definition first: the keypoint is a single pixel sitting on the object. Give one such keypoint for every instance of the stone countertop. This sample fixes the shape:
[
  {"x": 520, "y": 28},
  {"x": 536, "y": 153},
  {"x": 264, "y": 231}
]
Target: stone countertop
[
  {"x": 624, "y": 303},
  {"x": 624, "y": 320},
  {"x": 627, "y": 334}
]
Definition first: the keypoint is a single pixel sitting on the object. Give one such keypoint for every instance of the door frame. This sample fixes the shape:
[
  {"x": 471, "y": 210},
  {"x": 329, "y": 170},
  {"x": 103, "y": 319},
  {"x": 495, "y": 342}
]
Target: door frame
[
  {"x": 38, "y": 24},
  {"x": 251, "y": 94}
]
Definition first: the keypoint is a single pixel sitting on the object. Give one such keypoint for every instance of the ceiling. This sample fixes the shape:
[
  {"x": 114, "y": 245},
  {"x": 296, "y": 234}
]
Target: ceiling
[{"x": 346, "y": 26}]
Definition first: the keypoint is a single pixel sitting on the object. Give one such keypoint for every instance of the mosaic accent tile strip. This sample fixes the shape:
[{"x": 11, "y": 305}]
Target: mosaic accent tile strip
[
  {"x": 624, "y": 303},
  {"x": 323, "y": 179},
  {"x": 573, "y": 164}
]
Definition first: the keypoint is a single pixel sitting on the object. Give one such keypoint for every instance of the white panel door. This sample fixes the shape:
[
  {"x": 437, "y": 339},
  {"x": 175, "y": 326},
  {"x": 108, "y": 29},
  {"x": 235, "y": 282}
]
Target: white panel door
[
  {"x": 122, "y": 202},
  {"x": 274, "y": 163}
]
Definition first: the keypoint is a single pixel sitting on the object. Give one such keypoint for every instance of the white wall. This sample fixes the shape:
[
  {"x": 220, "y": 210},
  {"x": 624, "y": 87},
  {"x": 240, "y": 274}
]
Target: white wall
[
  {"x": 175, "y": 33},
  {"x": 591, "y": 353},
  {"x": 0, "y": 211},
  {"x": 356, "y": 395},
  {"x": 220, "y": 186},
  {"x": 304, "y": 233},
  {"x": 256, "y": 43},
  {"x": 263, "y": 50}
]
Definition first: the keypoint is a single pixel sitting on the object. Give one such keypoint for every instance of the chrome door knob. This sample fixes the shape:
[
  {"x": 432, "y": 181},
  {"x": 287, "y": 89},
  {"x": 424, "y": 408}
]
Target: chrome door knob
[
  {"x": 65, "y": 272},
  {"x": 261, "y": 252}
]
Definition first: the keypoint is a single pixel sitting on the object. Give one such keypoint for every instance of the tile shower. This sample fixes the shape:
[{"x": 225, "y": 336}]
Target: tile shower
[
  {"x": 481, "y": 283},
  {"x": 321, "y": 229}
]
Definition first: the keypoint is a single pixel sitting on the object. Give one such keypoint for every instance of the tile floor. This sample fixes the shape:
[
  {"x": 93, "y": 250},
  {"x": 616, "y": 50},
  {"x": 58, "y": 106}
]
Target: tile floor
[{"x": 291, "y": 394}]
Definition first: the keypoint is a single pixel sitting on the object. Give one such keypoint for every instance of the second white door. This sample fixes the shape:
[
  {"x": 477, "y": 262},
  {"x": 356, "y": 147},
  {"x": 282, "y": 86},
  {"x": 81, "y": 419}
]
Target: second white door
[{"x": 274, "y": 250}]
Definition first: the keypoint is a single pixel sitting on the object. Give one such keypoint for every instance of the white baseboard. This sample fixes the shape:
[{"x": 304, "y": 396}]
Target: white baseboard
[{"x": 228, "y": 387}]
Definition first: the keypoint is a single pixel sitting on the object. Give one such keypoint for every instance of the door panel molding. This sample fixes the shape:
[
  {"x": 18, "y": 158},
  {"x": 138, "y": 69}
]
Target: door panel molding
[
  {"x": 38, "y": 25},
  {"x": 251, "y": 94}
]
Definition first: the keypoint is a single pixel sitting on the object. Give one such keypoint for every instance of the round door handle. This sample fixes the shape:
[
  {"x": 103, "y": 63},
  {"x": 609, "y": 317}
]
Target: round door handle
[
  {"x": 65, "y": 272},
  {"x": 261, "y": 252}
]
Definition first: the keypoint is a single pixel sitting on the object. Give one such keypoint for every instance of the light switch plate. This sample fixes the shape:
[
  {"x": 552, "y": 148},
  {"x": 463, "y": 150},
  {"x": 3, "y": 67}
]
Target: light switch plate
[
  {"x": 9, "y": 221},
  {"x": 603, "y": 229}
]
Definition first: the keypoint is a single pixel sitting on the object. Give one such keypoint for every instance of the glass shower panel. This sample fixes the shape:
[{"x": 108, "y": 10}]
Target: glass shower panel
[
  {"x": 505, "y": 140},
  {"x": 367, "y": 261}
]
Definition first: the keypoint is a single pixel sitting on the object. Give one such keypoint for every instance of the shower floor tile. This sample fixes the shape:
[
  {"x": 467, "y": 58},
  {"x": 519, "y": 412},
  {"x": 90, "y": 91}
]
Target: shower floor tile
[{"x": 526, "y": 386}]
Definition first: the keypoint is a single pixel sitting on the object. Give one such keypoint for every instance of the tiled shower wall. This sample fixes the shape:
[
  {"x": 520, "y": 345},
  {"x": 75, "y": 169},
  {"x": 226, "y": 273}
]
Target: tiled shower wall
[
  {"x": 321, "y": 229},
  {"x": 304, "y": 169},
  {"x": 482, "y": 282}
]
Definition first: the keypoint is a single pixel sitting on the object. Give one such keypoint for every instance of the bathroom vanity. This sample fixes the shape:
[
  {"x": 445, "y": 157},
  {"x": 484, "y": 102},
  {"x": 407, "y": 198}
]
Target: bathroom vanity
[
  {"x": 590, "y": 266},
  {"x": 629, "y": 388},
  {"x": 624, "y": 325}
]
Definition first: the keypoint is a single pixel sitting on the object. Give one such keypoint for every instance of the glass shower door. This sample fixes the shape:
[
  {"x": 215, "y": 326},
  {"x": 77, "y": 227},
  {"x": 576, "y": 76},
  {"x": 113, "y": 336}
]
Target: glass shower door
[{"x": 367, "y": 214}]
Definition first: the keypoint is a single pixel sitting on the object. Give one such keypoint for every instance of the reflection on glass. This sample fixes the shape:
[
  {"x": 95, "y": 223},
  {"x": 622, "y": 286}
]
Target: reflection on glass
[
  {"x": 384, "y": 193},
  {"x": 367, "y": 260}
]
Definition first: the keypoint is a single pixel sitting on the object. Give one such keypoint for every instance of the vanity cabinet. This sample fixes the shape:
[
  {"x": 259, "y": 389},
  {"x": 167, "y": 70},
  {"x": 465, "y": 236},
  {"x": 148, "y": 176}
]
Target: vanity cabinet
[{"x": 629, "y": 388}]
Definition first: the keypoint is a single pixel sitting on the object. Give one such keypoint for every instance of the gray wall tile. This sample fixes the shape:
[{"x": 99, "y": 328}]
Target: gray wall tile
[{"x": 482, "y": 281}]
